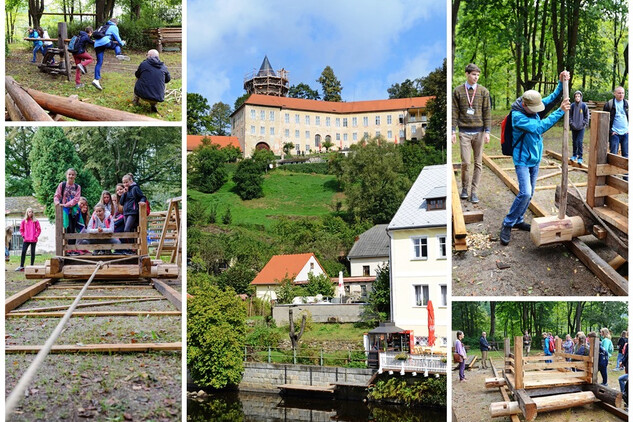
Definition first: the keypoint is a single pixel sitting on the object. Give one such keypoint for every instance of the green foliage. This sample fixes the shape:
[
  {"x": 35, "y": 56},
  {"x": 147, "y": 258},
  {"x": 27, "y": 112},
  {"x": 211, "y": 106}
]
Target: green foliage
[
  {"x": 417, "y": 154},
  {"x": 238, "y": 277},
  {"x": 264, "y": 158},
  {"x": 286, "y": 291},
  {"x": 241, "y": 100},
  {"x": 226, "y": 218},
  {"x": 374, "y": 181},
  {"x": 407, "y": 89},
  {"x": 215, "y": 334},
  {"x": 319, "y": 285},
  {"x": 220, "y": 117},
  {"x": 287, "y": 147},
  {"x": 205, "y": 167},
  {"x": 198, "y": 118},
  {"x": 303, "y": 91},
  {"x": 51, "y": 155},
  {"x": 378, "y": 306},
  {"x": 357, "y": 359},
  {"x": 248, "y": 179},
  {"x": 309, "y": 168},
  {"x": 327, "y": 145},
  {"x": 430, "y": 392},
  {"x": 435, "y": 85},
  {"x": 263, "y": 336},
  {"x": 17, "y": 166},
  {"x": 330, "y": 85}
]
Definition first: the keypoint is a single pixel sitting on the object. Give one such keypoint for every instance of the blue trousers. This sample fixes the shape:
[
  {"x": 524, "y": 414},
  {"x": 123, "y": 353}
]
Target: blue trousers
[
  {"x": 101, "y": 52},
  {"x": 616, "y": 141},
  {"x": 622, "y": 380},
  {"x": 35, "y": 50},
  {"x": 576, "y": 141},
  {"x": 527, "y": 182}
]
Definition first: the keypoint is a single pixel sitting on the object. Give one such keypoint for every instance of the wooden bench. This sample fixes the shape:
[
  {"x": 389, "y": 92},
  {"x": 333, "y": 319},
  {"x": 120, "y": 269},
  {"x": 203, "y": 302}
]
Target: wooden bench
[{"x": 162, "y": 36}]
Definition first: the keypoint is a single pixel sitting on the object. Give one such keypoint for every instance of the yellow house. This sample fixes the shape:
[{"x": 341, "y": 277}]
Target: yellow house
[
  {"x": 267, "y": 121},
  {"x": 418, "y": 257}
]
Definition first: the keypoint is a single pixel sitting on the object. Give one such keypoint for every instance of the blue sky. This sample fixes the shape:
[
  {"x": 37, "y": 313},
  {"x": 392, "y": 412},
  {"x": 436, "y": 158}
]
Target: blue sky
[{"x": 369, "y": 44}]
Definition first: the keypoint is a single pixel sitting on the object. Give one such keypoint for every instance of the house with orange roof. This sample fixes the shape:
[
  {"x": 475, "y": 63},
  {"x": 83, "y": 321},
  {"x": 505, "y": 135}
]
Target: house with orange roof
[
  {"x": 296, "y": 267},
  {"x": 193, "y": 141},
  {"x": 269, "y": 121}
]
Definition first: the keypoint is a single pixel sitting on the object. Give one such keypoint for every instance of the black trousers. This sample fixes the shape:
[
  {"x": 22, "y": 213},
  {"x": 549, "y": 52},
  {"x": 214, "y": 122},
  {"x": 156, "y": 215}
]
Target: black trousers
[
  {"x": 131, "y": 223},
  {"x": 25, "y": 246}
]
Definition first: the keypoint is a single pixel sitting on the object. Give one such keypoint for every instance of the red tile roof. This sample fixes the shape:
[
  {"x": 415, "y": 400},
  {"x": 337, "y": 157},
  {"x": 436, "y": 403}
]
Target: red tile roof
[
  {"x": 281, "y": 266},
  {"x": 337, "y": 107},
  {"x": 194, "y": 140}
]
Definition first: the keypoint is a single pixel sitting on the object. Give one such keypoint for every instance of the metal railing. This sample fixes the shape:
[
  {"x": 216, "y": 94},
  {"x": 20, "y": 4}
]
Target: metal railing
[{"x": 390, "y": 361}]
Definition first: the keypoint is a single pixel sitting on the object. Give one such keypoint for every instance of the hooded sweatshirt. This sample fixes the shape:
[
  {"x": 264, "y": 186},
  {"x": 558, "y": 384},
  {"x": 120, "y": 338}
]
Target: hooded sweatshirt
[
  {"x": 84, "y": 39},
  {"x": 111, "y": 34},
  {"x": 578, "y": 114},
  {"x": 152, "y": 75},
  {"x": 530, "y": 151},
  {"x": 30, "y": 230}
]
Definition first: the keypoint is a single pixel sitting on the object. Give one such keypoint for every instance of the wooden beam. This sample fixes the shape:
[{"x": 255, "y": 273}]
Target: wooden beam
[
  {"x": 620, "y": 413},
  {"x": 93, "y": 287},
  {"x": 605, "y": 394},
  {"x": 617, "y": 205},
  {"x": 514, "y": 187},
  {"x": 12, "y": 109},
  {"x": 540, "y": 392},
  {"x": 601, "y": 269},
  {"x": 547, "y": 176},
  {"x": 620, "y": 185},
  {"x": 459, "y": 226},
  {"x": 563, "y": 401},
  {"x": 19, "y": 298},
  {"x": 82, "y": 111},
  {"x": 559, "y": 157},
  {"x": 87, "y": 305},
  {"x": 594, "y": 352},
  {"x": 518, "y": 363},
  {"x": 473, "y": 217},
  {"x": 504, "y": 392},
  {"x": 98, "y": 348},
  {"x": 92, "y": 314},
  {"x": 614, "y": 218},
  {"x": 94, "y": 297},
  {"x": 29, "y": 108},
  {"x": 605, "y": 190},
  {"x": 618, "y": 161},
  {"x": 169, "y": 292},
  {"x": 59, "y": 231},
  {"x": 548, "y": 187},
  {"x": 607, "y": 170},
  {"x": 526, "y": 404},
  {"x": 617, "y": 262},
  {"x": 495, "y": 382},
  {"x": 598, "y": 146}
]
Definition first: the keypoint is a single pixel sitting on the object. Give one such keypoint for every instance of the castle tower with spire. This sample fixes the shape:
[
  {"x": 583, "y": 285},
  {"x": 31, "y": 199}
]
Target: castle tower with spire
[{"x": 266, "y": 81}]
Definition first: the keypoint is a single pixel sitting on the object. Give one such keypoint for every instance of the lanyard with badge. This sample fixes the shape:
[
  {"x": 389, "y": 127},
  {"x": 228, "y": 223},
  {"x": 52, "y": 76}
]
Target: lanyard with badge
[{"x": 470, "y": 110}]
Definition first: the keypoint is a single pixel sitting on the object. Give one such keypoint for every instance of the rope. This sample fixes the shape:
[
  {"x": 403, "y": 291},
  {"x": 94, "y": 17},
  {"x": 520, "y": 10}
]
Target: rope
[{"x": 20, "y": 389}]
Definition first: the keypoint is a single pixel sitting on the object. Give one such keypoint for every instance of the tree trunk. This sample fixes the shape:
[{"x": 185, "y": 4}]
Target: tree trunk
[
  {"x": 36, "y": 8},
  {"x": 295, "y": 337},
  {"x": 579, "y": 308},
  {"x": 454, "y": 24},
  {"x": 493, "y": 306}
]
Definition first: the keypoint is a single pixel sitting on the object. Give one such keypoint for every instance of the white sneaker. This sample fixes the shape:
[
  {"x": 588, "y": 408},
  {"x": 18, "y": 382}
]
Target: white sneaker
[
  {"x": 81, "y": 68},
  {"x": 122, "y": 57},
  {"x": 96, "y": 84}
]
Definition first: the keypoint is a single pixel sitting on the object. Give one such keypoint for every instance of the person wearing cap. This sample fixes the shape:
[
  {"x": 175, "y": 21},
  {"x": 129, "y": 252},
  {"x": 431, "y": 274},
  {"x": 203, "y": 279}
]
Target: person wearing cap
[
  {"x": 618, "y": 109},
  {"x": 471, "y": 114},
  {"x": 578, "y": 121},
  {"x": 527, "y": 130}
]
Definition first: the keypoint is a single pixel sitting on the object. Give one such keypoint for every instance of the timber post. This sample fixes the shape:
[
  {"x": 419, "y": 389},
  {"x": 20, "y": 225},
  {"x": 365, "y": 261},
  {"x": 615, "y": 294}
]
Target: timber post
[
  {"x": 594, "y": 355},
  {"x": 562, "y": 207},
  {"x": 142, "y": 228},
  {"x": 598, "y": 148},
  {"x": 62, "y": 34},
  {"x": 59, "y": 231},
  {"x": 518, "y": 363}
]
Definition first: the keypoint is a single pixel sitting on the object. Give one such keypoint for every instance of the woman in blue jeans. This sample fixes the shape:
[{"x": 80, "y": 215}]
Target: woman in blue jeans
[
  {"x": 109, "y": 40},
  {"x": 528, "y": 129},
  {"x": 37, "y": 44}
]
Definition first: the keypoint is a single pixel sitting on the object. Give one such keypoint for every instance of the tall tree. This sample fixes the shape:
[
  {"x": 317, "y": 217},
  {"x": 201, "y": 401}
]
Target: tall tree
[
  {"x": 220, "y": 119},
  {"x": 406, "y": 89},
  {"x": 434, "y": 84},
  {"x": 11, "y": 10},
  {"x": 205, "y": 167},
  {"x": 330, "y": 85},
  {"x": 198, "y": 119},
  {"x": 51, "y": 155},
  {"x": 241, "y": 100},
  {"x": 36, "y": 9},
  {"x": 303, "y": 91},
  {"x": 17, "y": 148},
  {"x": 493, "y": 319}
]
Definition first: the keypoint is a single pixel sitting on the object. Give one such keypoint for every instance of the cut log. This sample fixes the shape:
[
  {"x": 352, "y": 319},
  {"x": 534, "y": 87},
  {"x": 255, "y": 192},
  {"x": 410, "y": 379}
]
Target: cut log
[
  {"x": 609, "y": 277},
  {"x": 15, "y": 115},
  {"x": 563, "y": 401},
  {"x": 83, "y": 111},
  {"x": 552, "y": 229},
  {"x": 500, "y": 409},
  {"x": 495, "y": 382},
  {"x": 617, "y": 262},
  {"x": 605, "y": 394},
  {"x": 27, "y": 105}
]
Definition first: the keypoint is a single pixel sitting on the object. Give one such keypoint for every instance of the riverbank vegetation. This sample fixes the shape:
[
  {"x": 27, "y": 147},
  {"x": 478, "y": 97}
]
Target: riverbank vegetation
[{"x": 427, "y": 392}]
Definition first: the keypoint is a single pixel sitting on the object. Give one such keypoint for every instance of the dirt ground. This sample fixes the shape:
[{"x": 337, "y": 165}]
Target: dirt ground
[
  {"x": 471, "y": 399},
  {"x": 113, "y": 387},
  {"x": 550, "y": 270}
]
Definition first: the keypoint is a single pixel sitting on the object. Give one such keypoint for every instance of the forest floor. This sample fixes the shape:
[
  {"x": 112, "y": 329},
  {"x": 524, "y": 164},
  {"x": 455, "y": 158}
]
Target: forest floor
[
  {"x": 114, "y": 387},
  {"x": 550, "y": 270},
  {"x": 117, "y": 80},
  {"x": 471, "y": 399}
]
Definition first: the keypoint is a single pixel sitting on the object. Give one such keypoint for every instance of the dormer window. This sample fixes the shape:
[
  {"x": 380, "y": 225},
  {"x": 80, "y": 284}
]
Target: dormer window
[{"x": 436, "y": 204}]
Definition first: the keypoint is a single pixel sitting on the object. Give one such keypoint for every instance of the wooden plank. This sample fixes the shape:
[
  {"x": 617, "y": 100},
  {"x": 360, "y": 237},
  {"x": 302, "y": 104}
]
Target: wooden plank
[
  {"x": 142, "y": 227},
  {"x": 559, "y": 157},
  {"x": 22, "y": 296},
  {"x": 618, "y": 161},
  {"x": 514, "y": 187},
  {"x": 169, "y": 292},
  {"x": 546, "y": 383},
  {"x": 620, "y": 413},
  {"x": 518, "y": 362},
  {"x": 617, "y": 262},
  {"x": 98, "y": 246},
  {"x": 594, "y": 352},
  {"x": 553, "y": 377},
  {"x": 122, "y": 235},
  {"x": 532, "y": 366},
  {"x": 98, "y": 348},
  {"x": 601, "y": 269},
  {"x": 548, "y": 167},
  {"x": 620, "y": 185},
  {"x": 89, "y": 304},
  {"x": 612, "y": 217},
  {"x": 606, "y": 190},
  {"x": 549, "y": 187},
  {"x": 473, "y": 217},
  {"x": 617, "y": 205},
  {"x": 526, "y": 404},
  {"x": 598, "y": 147},
  {"x": 92, "y": 314},
  {"x": 93, "y": 287},
  {"x": 59, "y": 231},
  {"x": 459, "y": 227},
  {"x": 93, "y": 297},
  {"x": 12, "y": 109},
  {"x": 607, "y": 170},
  {"x": 547, "y": 176}
]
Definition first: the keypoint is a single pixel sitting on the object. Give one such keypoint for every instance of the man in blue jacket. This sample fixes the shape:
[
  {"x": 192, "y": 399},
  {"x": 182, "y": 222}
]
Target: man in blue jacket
[
  {"x": 110, "y": 40},
  {"x": 151, "y": 77},
  {"x": 527, "y": 132},
  {"x": 484, "y": 346}
]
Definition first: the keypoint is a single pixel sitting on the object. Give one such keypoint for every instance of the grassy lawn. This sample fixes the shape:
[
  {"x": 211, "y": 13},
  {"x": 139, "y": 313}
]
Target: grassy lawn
[
  {"x": 117, "y": 80},
  {"x": 285, "y": 194}
]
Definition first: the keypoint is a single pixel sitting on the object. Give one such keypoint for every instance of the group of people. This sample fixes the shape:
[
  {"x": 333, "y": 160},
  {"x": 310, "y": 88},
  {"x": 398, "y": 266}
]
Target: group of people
[
  {"x": 471, "y": 108},
  {"x": 112, "y": 214},
  {"x": 151, "y": 75},
  {"x": 579, "y": 345},
  {"x": 41, "y": 42}
]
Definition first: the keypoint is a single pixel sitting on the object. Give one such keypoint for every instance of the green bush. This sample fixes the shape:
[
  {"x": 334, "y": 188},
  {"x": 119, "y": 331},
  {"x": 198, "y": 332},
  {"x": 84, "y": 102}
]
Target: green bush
[
  {"x": 263, "y": 336},
  {"x": 429, "y": 392},
  {"x": 309, "y": 168}
]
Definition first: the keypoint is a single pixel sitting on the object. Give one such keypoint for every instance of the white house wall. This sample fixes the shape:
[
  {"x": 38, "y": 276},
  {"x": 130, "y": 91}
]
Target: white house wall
[
  {"x": 357, "y": 264},
  {"x": 46, "y": 241},
  {"x": 406, "y": 272},
  {"x": 303, "y": 274}
]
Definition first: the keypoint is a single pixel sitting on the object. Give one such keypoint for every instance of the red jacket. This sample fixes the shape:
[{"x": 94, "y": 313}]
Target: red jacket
[{"x": 30, "y": 230}]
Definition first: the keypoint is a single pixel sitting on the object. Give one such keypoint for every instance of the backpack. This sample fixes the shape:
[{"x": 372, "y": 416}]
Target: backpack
[
  {"x": 72, "y": 45},
  {"x": 100, "y": 32},
  {"x": 551, "y": 345},
  {"x": 149, "y": 208},
  {"x": 507, "y": 143},
  {"x": 603, "y": 357}
]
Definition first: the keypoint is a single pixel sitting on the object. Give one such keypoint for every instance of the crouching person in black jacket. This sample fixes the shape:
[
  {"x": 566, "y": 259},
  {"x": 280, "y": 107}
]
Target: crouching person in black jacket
[{"x": 151, "y": 77}]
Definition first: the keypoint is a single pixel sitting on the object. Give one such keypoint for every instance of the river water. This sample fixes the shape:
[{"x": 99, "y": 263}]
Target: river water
[{"x": 247, "y": 407}]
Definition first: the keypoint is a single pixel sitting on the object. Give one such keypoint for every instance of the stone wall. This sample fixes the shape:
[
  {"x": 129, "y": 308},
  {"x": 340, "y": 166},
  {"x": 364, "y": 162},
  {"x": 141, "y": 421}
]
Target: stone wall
[
  {"x": 267, "y": 376},
  {"x": 321, "y": 312}
]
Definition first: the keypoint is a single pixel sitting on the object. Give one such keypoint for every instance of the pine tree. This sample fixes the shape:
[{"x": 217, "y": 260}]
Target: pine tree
[{"x": 331, "y": 86}]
